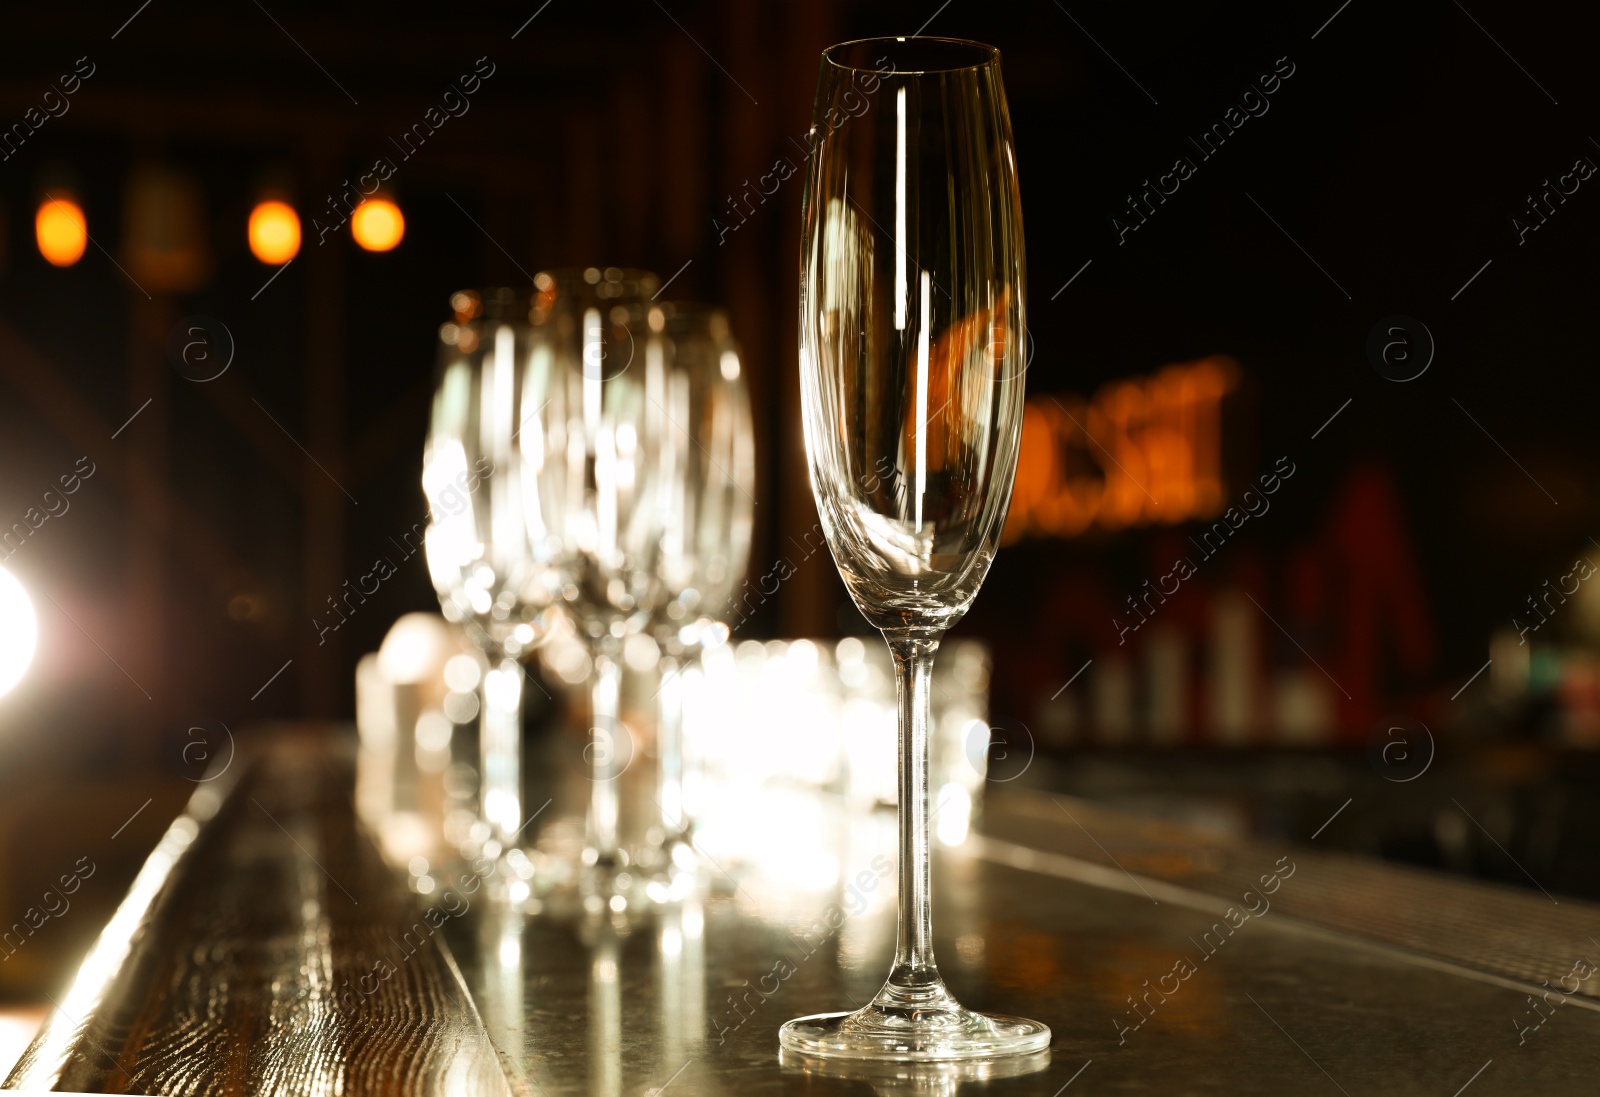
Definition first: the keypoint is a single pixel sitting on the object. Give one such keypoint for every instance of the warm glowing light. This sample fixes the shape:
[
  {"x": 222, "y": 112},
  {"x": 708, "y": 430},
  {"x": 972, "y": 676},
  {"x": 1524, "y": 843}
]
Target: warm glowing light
[
  {"x": 274, "y": 232},
  {"x": 416, "y": 648},
  {"x": 17, "y": 1030},
  {"x": 1144, "y": 451},
  {"x": 19, "y": 631},
  {"x": 62, "y": 231},
  {"x": 377, "y": 224}
]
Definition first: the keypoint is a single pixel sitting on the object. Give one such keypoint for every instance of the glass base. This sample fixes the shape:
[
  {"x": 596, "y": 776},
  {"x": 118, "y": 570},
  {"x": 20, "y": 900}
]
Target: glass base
[
  {"x": 937, "y": 1079},
  {"x": 913, "y": 1035}
]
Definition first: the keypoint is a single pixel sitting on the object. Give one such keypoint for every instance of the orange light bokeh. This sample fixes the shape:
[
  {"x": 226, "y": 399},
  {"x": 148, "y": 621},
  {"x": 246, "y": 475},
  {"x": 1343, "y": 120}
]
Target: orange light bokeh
[
  {"x": 61, "y": 230},
  {"x": 377, "y": 224},
  {"x": 274, "y": 232}
]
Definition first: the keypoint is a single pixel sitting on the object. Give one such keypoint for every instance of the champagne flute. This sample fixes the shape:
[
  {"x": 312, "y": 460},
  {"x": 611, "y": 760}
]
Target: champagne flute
[
  {"x": 911, "y": 369},
  {"x": 708, "y": 483},
  {"x": 595, "y": 454},
  {"x": 491, "y": 578}
]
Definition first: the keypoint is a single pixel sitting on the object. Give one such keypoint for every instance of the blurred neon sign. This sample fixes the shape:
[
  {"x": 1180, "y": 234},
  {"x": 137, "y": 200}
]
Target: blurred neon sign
[{"x": 1143, "y": 451}]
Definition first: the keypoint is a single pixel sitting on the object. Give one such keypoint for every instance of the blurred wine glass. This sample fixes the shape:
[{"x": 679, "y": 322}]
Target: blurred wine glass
[
  {"x": 493, "y": 579},
  {"x": 595, "y": 456},
  {"x": 911, "y": 370},
  {"x": 709, "y": 483}
]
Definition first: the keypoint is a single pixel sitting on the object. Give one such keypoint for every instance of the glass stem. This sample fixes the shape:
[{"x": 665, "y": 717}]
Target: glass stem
[
  {"x": 604, "y": 747},
  {"x": 500, "y": 745},
  {"x": 914, "y": 982},
  {"x": 670, "y": 746}
]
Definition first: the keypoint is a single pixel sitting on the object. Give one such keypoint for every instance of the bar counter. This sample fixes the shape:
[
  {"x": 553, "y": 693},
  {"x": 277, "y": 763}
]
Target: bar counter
[{"x": 267, "y": 948}]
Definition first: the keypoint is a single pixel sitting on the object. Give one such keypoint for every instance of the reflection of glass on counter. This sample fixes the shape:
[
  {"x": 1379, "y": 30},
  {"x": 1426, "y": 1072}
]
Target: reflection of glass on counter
[
  {"x": 681, "y": 971},
  {"x": 406, "y": 783},
  {"x": 605, "y": 1015},
  {"x": 499, "y": 939}
]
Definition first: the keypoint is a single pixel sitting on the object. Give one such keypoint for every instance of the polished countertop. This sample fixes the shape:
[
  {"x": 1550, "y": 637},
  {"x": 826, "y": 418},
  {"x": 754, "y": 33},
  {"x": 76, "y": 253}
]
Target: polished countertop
[{"x": 268, "y": 948}]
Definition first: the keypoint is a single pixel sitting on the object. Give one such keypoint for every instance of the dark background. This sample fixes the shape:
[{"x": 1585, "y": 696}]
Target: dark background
[{"x": 191, "y": 565}]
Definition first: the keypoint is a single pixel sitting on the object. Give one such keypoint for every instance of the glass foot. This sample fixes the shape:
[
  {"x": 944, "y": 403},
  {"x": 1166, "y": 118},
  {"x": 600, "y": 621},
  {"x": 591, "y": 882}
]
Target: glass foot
[
  {"x": 937, "y": 1079},
  {"x": 917, "y": 1035}
]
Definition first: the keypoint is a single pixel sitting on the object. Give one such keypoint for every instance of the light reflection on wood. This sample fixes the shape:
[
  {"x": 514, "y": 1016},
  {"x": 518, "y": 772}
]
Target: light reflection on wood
[{"x": 266, "y": 949}]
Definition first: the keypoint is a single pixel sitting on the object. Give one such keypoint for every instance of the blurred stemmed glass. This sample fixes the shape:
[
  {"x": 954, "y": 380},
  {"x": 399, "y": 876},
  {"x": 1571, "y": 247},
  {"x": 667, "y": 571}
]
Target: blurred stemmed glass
[
  {"x": 595, "y": 456},
  {"x": 911, "y": 370},
  {"x": 708, "y": 483},
  {"x": 492, "y": 578}
]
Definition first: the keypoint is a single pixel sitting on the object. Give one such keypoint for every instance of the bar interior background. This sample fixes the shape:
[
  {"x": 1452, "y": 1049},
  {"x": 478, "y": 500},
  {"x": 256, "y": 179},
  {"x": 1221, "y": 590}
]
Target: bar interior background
[{"x": 1217, "y": 232}]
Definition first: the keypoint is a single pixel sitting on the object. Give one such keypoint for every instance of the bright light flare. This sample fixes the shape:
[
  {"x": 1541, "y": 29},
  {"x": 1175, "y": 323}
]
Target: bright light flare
[
  {"x": 274, "y": 232},
  {"x": 19, "y": 631},
  {"x": 377, "y": 224},
  {"x": 61, "y": 230},
  {"x": 416, "y": 648}
]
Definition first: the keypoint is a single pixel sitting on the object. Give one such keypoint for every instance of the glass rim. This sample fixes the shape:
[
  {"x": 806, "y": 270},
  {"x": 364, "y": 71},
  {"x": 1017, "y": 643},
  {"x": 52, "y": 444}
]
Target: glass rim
[
  {"x": 602, "y": 284},
  {"x": 692, "y": 309},
  {"x": 593, "y": 275},
  {"x": 487, "y": 303},
  {"x": 984, "y": 54},
  {"x": 714, "y": 318}
]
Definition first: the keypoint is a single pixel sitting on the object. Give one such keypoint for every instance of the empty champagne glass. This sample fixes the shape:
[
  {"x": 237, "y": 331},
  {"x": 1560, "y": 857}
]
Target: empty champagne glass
[
  {"x": 709, "y": 481},
  {"x": 911, "y": 368},
  {"x": 491, "y": 578},
  {"x": 596, "y": 456}
]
